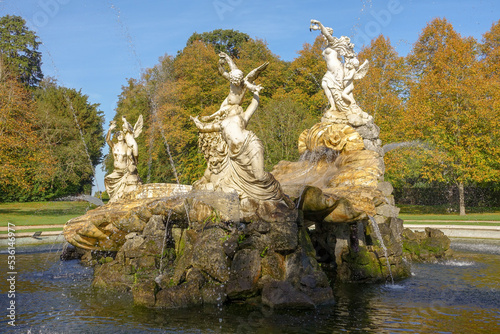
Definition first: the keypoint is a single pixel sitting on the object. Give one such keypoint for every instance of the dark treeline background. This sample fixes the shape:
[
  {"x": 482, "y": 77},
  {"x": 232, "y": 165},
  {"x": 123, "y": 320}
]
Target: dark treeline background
[{"x": 443, "y": 98}]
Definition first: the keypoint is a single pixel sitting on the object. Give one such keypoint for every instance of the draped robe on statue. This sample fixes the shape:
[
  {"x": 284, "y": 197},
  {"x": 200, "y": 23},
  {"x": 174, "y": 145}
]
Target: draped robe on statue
[{"x": 239, "y": 173}]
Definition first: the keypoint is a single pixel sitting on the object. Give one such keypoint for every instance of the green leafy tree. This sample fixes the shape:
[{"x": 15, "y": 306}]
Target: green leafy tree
[
  {"x": 223, "y": 40},
  {"x": 19, "y": 46},
  {"x": 279, "y": 125},
  {"x": 73, "y": 128}
]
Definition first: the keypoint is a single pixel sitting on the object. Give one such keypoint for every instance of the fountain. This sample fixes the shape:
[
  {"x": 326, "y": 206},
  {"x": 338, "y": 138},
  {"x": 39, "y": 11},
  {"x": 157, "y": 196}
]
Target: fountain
[{"x": 241, "y": 233}]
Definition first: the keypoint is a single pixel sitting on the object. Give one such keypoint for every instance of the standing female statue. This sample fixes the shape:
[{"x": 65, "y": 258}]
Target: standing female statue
[{"x": 337, "y": 82}]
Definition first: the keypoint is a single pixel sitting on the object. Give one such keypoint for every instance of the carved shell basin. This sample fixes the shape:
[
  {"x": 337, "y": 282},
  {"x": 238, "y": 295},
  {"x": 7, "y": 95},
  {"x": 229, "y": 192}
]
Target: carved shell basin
[{"x": 338, "y": 137}]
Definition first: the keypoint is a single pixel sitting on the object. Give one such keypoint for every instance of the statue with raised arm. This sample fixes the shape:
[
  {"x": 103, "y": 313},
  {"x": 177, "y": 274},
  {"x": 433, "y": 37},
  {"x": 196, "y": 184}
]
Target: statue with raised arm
[
  {"x": 244, "y": 170},
  {"x": 124, "y": 177},
  {"x": 337, "y": 82},
  {"x": 212, "y": 144}
]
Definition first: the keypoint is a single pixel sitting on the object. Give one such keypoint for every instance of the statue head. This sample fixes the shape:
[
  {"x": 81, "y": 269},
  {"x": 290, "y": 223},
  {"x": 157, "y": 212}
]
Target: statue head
[
  {"x": 235, "y": 110},
  {"x": 236, "y": 76},
  {"x": 119, "y": 136}
]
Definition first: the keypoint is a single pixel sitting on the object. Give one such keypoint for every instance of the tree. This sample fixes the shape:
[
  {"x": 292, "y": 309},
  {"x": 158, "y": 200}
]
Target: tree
[
  {"x": 25, "y": 160},
  {"x": 279, "y": 125},
  {"x": 72, "y": 127},
  {"x": 19, "y": 46},
  {"x": 223, "y": 40},
  {"x": 305, "y": 75},
  {"x": 450, "y": 109},
  {"x": 380, "y": 93}
]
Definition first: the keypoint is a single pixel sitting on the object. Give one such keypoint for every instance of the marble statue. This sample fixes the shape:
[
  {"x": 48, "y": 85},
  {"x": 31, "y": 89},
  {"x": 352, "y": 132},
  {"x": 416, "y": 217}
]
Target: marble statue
[
  {"x": 244, "y": 162},
  {"x": 212, "y": 144},
  {"x": 124, "y": 177},
  {"x": 338, "y": 81}
]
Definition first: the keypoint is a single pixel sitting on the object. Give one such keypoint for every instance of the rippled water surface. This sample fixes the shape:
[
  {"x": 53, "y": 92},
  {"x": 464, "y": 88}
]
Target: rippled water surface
[{"x": 455, "y": 296}]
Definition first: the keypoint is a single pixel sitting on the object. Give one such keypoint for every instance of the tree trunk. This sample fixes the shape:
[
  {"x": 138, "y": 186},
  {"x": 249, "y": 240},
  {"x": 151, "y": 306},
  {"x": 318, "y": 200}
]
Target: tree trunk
[{"x": 461, "y": 197}]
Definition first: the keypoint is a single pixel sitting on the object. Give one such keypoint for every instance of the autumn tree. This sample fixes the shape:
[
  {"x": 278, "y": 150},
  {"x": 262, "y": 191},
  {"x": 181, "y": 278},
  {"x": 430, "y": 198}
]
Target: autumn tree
[
  {"x": 279, "y": 125},
  {"x": 450, "y": 109},
  {"x": 305, "y": 75},
  {"x": 19, "y": 46},
  {"x": 25, "y": 160},
  {"x": 381, "y": 92}
]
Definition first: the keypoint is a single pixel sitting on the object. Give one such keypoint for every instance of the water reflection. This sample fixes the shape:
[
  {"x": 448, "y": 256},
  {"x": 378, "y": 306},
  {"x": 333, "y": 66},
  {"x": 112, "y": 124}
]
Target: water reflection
[{"x": 460, "y": 295}]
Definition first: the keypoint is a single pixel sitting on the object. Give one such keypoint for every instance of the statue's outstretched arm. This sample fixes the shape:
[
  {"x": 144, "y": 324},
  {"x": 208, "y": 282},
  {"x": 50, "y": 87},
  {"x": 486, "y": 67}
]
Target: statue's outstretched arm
[
  {"x": 204, "y": 127},
  {"x": 112, "y": 126},
  {"x": 212, "y": 117},
  {"x": 323, "y": 30},
  {"x": 228, "y": 60},
  {"x": 252, "y": 107},
  {"x": 222, "y": 71}
]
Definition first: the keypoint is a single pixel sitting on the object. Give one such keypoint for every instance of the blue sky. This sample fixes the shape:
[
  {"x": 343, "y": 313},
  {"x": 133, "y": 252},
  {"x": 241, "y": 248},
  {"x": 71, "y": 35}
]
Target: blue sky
[{"x": 95, "y": 45}]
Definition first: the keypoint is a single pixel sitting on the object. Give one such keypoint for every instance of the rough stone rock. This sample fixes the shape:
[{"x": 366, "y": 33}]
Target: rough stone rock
[
  {"x": 388, "y": 210},
  {"x": 283, "y": 236},
  {"x": 370, "y": 131},
  {"x": 154, "y": 227},
  {"x": 385, "y": 187},
  {"x": 213, "y": 293},
  {"x": 112, "y": 277},
  {"x": 144, "y": 293},
  {"x": 245, "y": 273},
  {"x": 209, "y": 254},
  {"x": 281, "y": 294},
  {"x": 132, "y": 247},
  {"x": 426, "y": 246},
  {"x": 273, "y": 266},
  {"x": 180, "y": 296}
]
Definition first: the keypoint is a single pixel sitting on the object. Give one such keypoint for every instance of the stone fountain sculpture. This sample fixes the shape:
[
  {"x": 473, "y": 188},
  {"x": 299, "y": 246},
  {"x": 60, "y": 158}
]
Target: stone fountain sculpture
[
  {"x": 241, "y": 233},
  {"x": 124, "y": 178}
]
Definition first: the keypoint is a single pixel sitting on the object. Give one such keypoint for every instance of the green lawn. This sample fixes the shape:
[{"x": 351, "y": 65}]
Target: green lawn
[
  {"x": 425, "y": 214},
  {"x": 32, "y": 230},
  {"x": 58, "y": 213},
  {"x": 41, "y": 213}
]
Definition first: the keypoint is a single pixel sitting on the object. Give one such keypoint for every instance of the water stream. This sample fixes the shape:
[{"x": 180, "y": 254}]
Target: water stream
[
  {"x": 379, "y": 237},
  {"x": 73, "y": 112},
  {"x": 455, "y": 296}
]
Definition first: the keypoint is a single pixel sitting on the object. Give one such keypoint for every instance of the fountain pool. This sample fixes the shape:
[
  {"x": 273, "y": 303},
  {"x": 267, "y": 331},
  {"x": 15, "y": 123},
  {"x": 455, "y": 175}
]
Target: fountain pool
[{"x": 459, "y": 295}]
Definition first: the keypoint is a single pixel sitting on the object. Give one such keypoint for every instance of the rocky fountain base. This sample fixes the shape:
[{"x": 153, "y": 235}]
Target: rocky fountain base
[{"x": 173, "y": 246}]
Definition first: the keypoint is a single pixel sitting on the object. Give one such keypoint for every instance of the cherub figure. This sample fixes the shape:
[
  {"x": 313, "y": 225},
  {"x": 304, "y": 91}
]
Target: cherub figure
[
  {"x": 238, "y": 84},
  {"x": 130, "y": 134},
  {"x": 352, "y": 71}
]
